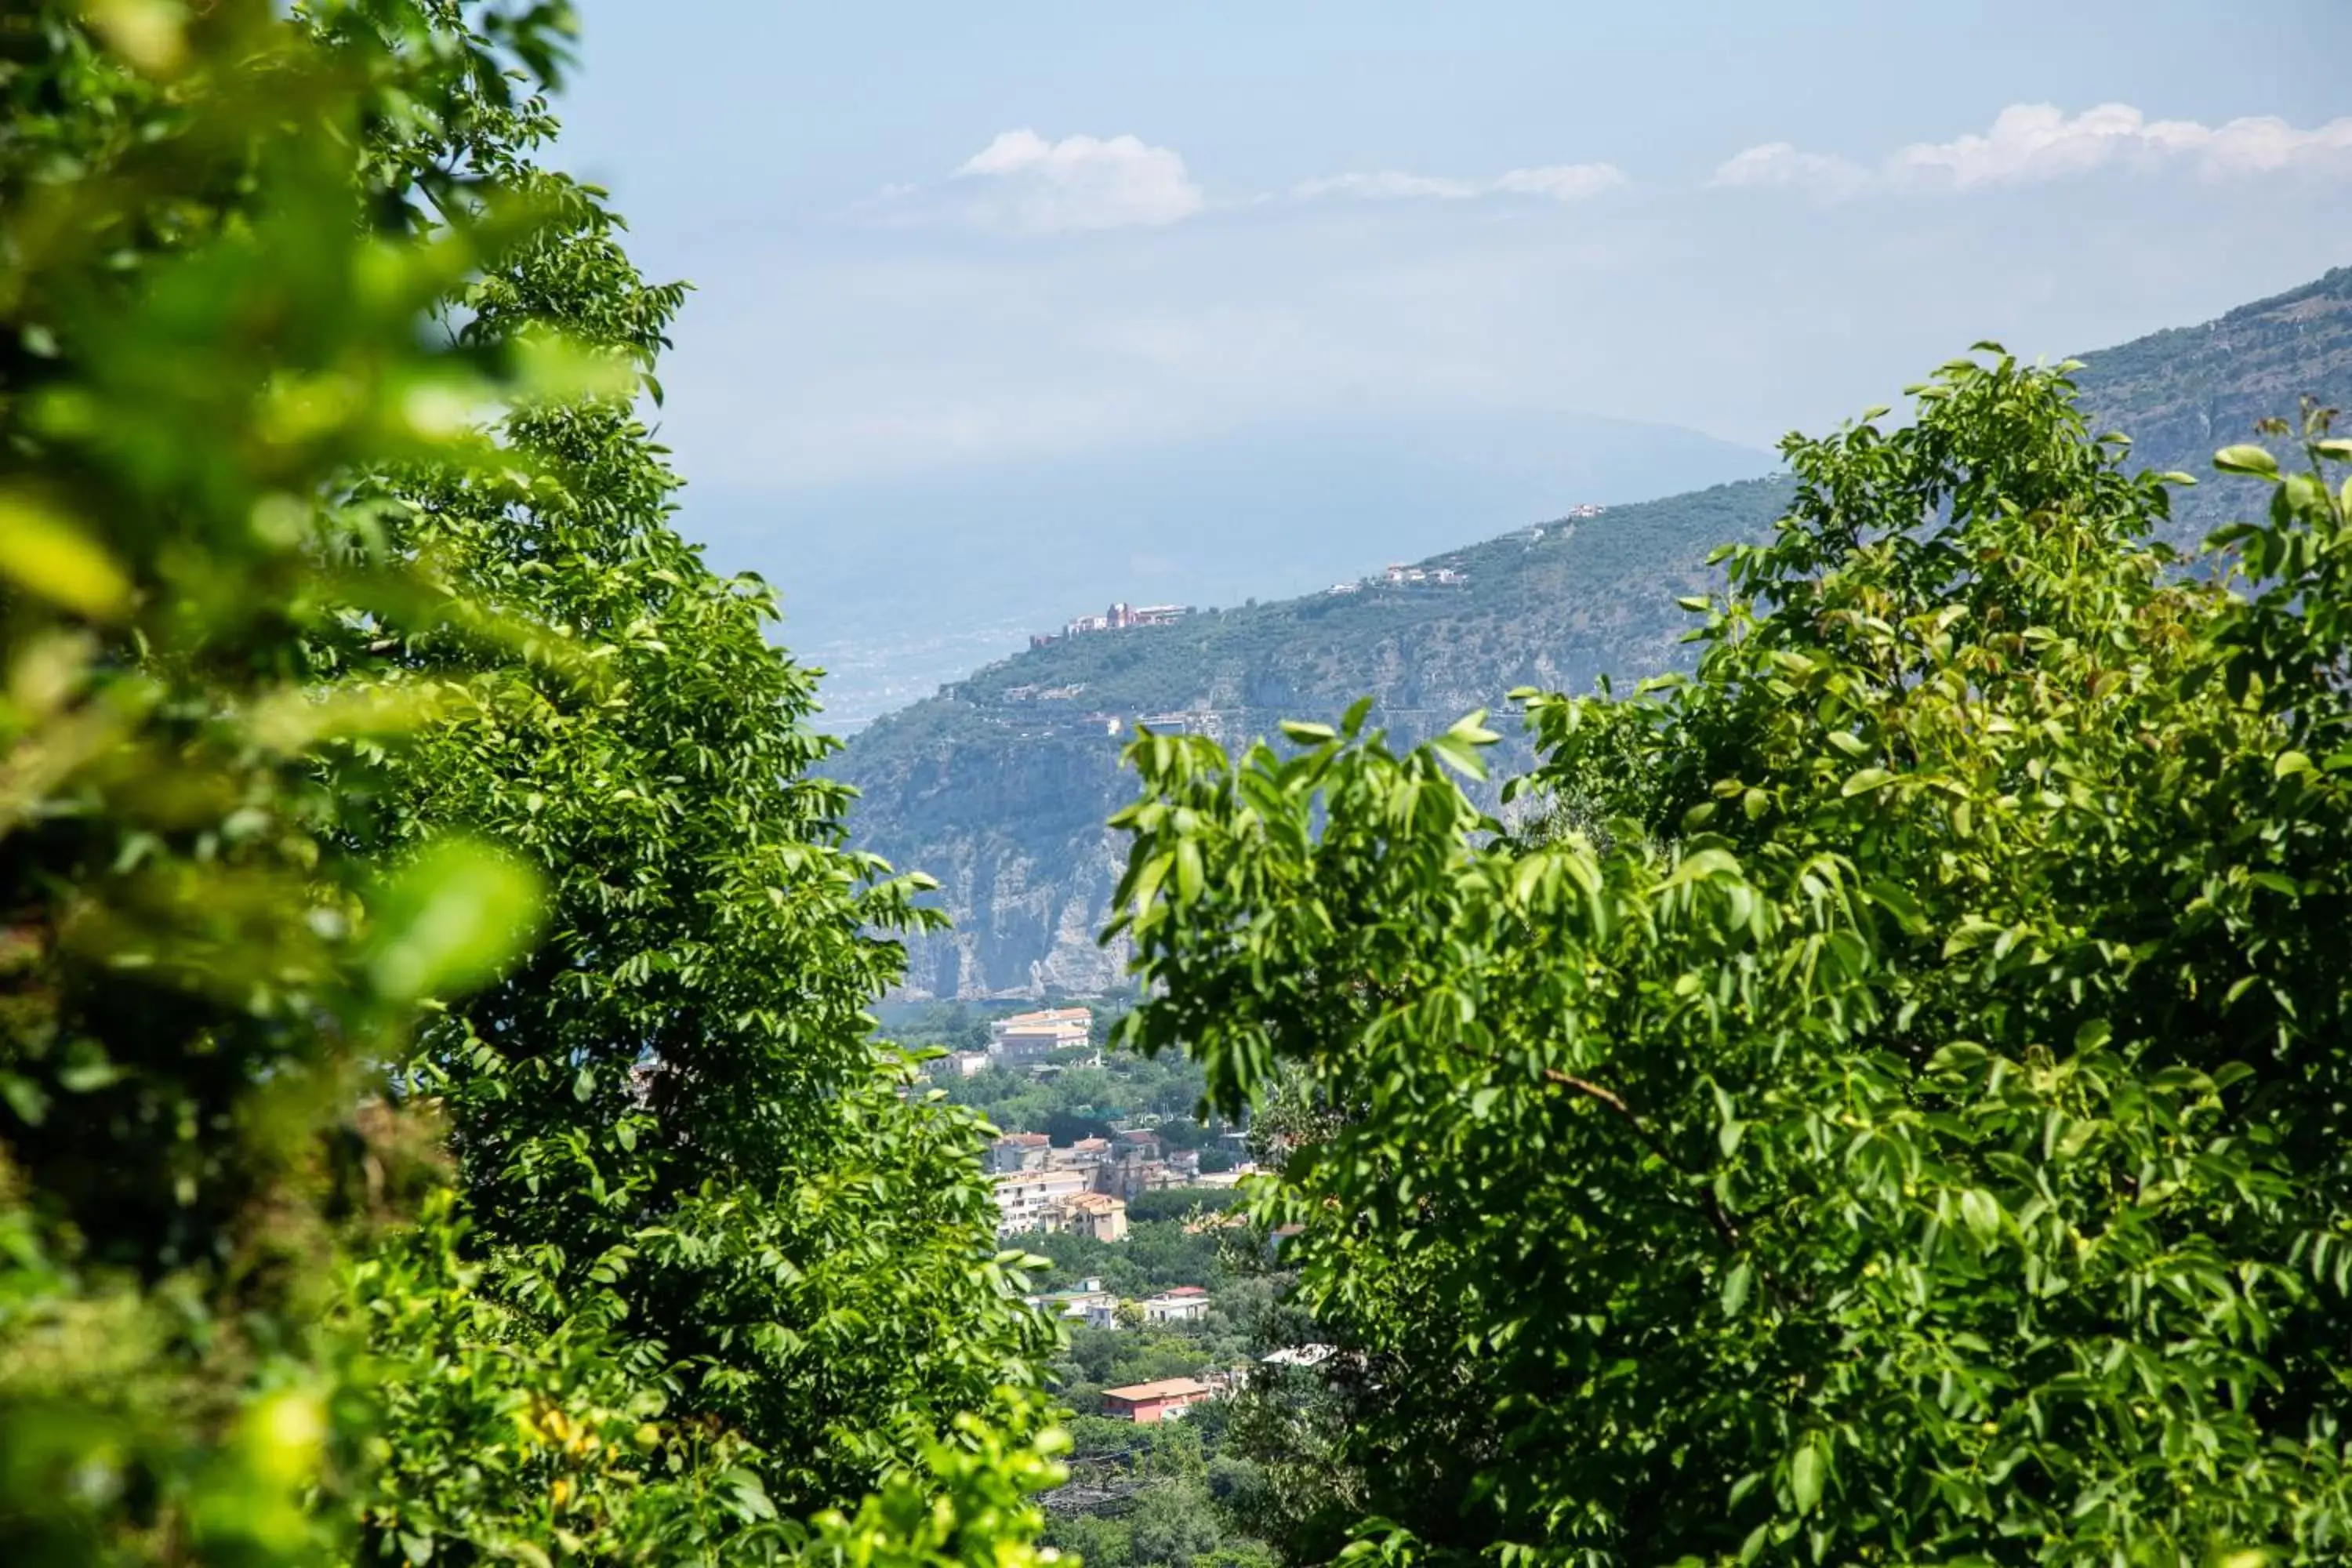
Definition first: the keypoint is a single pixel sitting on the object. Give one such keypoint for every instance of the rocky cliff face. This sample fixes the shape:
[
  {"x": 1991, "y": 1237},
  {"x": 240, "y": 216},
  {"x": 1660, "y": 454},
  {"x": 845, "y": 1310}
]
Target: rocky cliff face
[
  {"x": 999, "y": 786},
  {"x": 2182, "y": 395},
  {"x": 1027, "y": 888}
]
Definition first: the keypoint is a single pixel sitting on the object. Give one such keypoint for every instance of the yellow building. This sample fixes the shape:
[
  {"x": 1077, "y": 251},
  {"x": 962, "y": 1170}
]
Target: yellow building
[{"x": 1097, "y": 1215}]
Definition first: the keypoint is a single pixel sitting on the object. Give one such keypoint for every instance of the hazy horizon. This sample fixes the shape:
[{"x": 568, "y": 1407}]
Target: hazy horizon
[{"x": 1010, "y": 273}]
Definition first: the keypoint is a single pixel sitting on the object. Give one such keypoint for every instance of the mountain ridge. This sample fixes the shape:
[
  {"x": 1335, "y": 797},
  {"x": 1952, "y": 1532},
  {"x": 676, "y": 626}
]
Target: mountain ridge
[
  {"x": 985, "y": 551},
  {"x": 997, "y": 787}
]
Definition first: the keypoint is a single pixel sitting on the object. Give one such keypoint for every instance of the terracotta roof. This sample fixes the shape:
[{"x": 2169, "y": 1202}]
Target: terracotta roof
[
  {"x": 1166, "y": 1388},
  {"x": 1189, "y": 1291},
  {"x": 1027, "y": 1140}
]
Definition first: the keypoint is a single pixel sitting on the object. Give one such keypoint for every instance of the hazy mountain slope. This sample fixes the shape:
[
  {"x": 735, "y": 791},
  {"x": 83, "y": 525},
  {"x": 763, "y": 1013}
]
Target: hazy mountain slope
[
  {"x": 997, "y": 787},
  {"x": 894, "y": 586},
  {"x": 1000, "y": 792},
  {"x": 2183, "y": 393}
]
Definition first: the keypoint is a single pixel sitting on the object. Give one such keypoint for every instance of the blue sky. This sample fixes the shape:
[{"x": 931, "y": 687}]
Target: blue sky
[{"x": 942, "y": 248}]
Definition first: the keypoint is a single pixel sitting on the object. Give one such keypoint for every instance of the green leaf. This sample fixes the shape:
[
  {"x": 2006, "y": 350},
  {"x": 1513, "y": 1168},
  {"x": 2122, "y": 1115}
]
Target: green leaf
[
  {"x": 1188, "y": 872},
  {"x": 453, "y": 919},
  {"x": 1898, "y": 901},
  {"x": 1980, "y": 1212},
  {"x": 88, "y": 1069},
  {"x": 1807, "y": 1468},
  {"x": 1736, "y": 1284},
  {"x": 1307, "y": 734},
  {"x": 1961, "y": 1056},
  {"x": 1864, "y": 780},
  {"x": 2246, "y": 459},
  {"x": 52, "y": 558},
  {"x": 24, "y": 1097},
  {"x": 1459, "y": 747}
]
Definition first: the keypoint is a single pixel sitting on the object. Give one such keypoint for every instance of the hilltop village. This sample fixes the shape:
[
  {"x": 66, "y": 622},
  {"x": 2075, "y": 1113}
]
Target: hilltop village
[
  {"x": 1103, "y": 699},
  {"x": 1120, "y": 617}
]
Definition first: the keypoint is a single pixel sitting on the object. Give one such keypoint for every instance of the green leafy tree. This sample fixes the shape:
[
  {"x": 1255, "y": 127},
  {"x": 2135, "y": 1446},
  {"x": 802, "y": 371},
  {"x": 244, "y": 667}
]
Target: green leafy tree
[
  {"x": 1173, "y": 1525},
  {"x": 1096, "y": 1539},
  {"x": 1913, "y": 1130},
  {"x": 202, "y": 336},
  {"x": 675, "y": 1137},
  {"x": 288, "y": 632}
]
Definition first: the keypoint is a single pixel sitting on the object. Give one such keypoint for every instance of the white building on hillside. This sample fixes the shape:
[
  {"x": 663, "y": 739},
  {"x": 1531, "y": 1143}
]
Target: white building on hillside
[
  {"x": 1024, "y": 1197},
  {"x": 1033, "y": 1037},
  {"x": 1184, "y": 1304}
]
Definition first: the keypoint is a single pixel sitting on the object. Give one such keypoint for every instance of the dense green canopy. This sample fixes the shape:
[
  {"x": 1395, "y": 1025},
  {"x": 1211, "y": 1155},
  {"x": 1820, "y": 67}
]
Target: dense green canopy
[
  {"x": 670, "y": 1120},
  {"x": 439, "y": 1121},
  {"x": 1897, "y": 1112},
  {"x": 1889, "y": 1107}
]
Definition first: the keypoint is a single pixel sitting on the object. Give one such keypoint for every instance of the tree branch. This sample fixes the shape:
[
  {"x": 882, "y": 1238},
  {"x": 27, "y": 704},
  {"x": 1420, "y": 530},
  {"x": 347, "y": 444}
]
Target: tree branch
[{"x": 1709, "y": 1205}]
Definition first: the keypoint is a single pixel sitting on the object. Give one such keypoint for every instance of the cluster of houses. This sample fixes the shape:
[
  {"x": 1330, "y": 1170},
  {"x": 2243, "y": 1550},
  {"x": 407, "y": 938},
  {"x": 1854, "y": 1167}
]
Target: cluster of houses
[
  {"x": 1143, "y": 1402},
  {"x": 1085, "y": 1188},
  {"x": 1096, "y": 1308},
  {"x": 1120, "y": 617},
  {"x": 1170, "y": 1397},
  {"x": 1399, "y": 575}
]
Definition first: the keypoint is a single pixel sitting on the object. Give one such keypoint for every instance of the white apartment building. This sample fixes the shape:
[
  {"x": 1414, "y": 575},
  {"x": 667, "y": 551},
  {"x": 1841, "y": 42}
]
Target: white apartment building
[
  {"x": 1184, "y": 1304},
  {"x": 1023, "y": 1196}
]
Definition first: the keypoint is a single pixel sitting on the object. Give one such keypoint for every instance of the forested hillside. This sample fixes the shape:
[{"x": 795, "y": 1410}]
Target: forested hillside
[{"x": 997, "y": 787}]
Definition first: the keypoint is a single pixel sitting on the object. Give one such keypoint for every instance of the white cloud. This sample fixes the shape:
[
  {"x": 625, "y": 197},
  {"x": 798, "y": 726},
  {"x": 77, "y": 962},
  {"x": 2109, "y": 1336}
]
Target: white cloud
[
  {"x": 1559, "y": 182},
  {"x": 1024, "y": 182},
  {"x": 2032, "y": 144},
  {"x": 1777, "y": 165}
]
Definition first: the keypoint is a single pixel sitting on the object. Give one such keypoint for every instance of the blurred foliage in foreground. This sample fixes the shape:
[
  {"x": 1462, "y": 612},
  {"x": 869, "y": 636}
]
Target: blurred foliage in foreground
[
  {"x": 437, "y": 1117},
  {"x": 1899, "y": 1116}
]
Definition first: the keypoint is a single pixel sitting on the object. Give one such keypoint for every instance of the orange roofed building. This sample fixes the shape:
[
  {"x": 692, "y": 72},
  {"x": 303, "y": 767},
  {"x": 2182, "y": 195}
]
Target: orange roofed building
[{"x": 1145, "y": 1403}]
